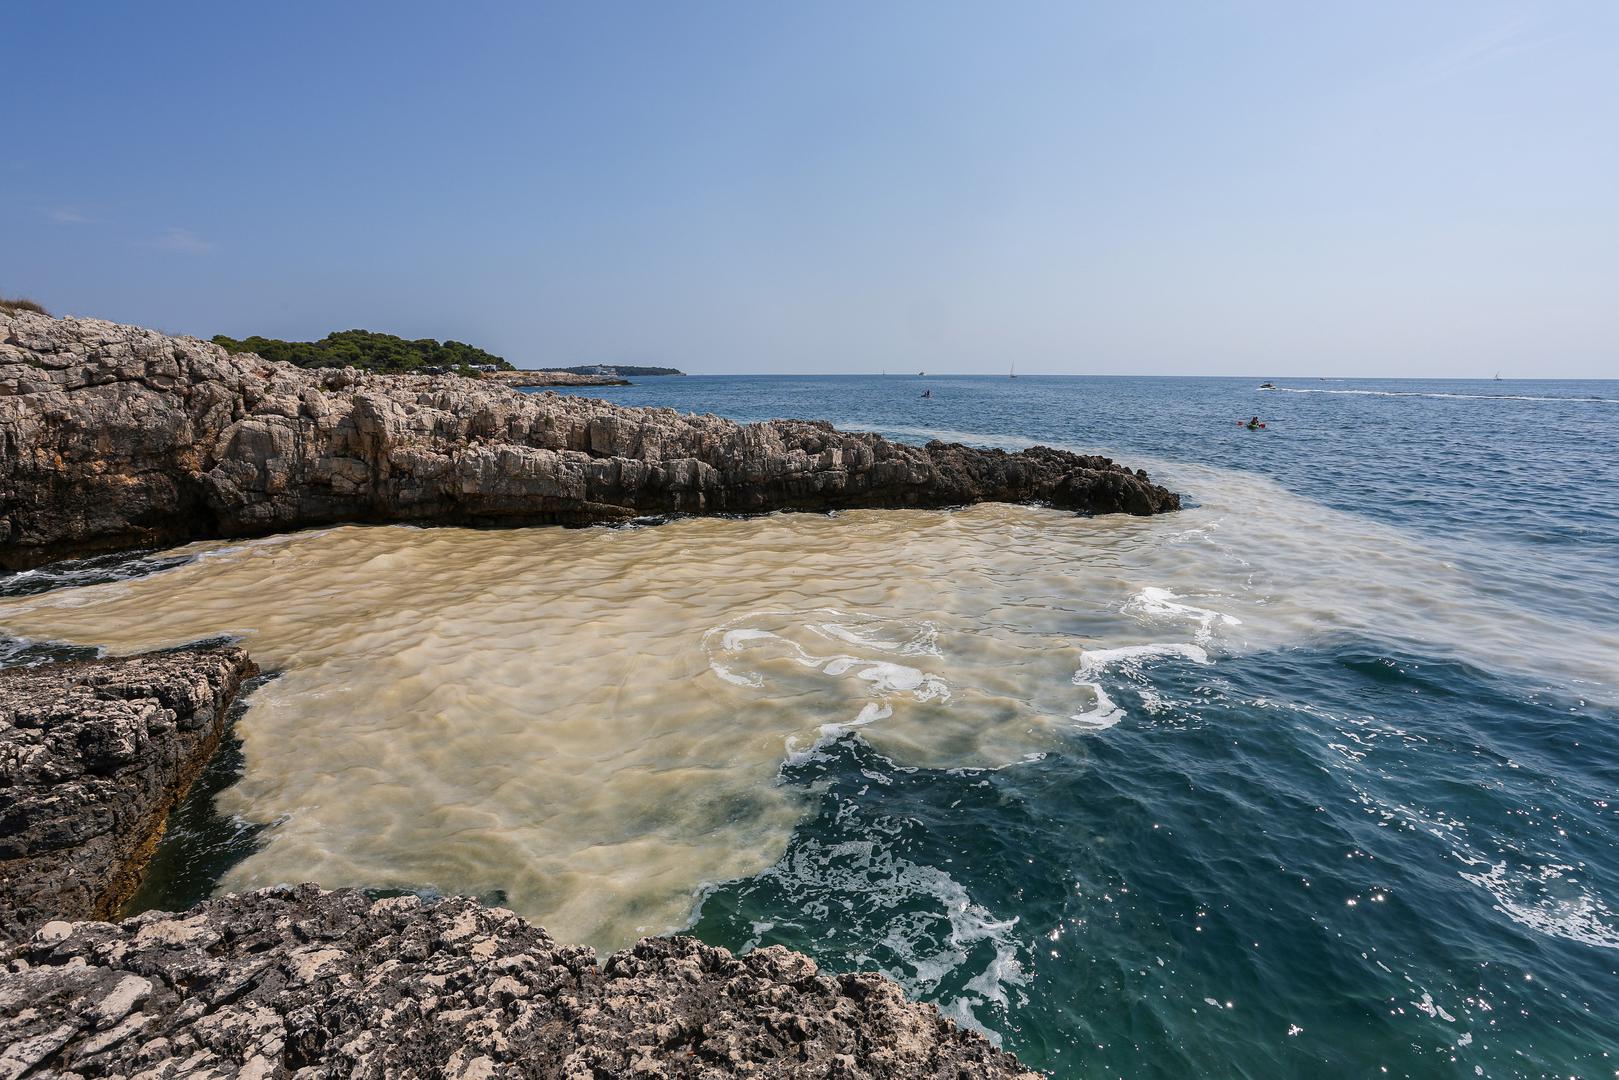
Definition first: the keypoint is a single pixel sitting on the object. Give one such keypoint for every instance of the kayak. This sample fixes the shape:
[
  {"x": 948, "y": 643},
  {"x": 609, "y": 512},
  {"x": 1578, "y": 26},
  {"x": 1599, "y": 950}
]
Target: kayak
[{"x": 1250, "y": 427}]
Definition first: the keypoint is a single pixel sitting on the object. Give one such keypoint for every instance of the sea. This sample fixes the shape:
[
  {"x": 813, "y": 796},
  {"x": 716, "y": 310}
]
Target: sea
[{"x": 1318, "y": 777}]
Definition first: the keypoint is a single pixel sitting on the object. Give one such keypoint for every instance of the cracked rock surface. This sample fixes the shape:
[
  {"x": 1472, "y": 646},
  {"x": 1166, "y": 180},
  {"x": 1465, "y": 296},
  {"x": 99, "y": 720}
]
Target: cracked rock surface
[
  {"x": 114, "y": 436},
  {"x": 93, "y": 754},
  {"x": 299, "y": 982}
]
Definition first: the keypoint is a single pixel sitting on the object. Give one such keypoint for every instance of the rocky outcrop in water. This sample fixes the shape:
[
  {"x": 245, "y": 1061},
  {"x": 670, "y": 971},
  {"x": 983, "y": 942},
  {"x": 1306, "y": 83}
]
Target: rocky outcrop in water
[
  {"x": 551, "y": 378},
  {"x": 300, "y": 982},
  {"x": 93, "y": 754},
  {"x": 113, "y": 436}
]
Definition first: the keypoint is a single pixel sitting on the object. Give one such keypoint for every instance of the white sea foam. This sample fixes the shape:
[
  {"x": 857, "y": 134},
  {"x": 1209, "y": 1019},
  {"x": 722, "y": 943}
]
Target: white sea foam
[
  {"x": 1101, "y": 712},
  {"x": 926, "y": 932},
  {"x": 1097, "y": 660},
  {"x": 1549, "y": 899},
  {"x": 870, "y": 713},
  {"x": 861, "y": 630},
  {"x": 1426, "y": 1004},
  {"x": 1535, "y": 891},
  {"x": 885, "y": 677},
  {"x": 1156, "y": 603}
]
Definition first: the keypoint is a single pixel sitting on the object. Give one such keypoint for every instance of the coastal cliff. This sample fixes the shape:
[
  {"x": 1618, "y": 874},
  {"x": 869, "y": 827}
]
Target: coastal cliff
[
  {"x": 115, "y": 436},
  {"x": 93, "y": 755}
]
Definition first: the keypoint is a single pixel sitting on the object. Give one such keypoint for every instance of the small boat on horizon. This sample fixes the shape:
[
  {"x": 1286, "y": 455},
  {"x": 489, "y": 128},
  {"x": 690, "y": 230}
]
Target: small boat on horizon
[{"x": 1267, "y": 386}]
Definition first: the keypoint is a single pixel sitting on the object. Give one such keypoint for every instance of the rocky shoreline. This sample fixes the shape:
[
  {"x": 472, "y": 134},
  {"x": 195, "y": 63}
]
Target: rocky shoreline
[
  {"x": 297, "y": 981},
  {"x": 115, "y": 436}
]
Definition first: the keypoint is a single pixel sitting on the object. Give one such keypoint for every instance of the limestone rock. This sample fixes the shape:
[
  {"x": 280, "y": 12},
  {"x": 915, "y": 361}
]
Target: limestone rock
[
  {"x": 296, "y": 981},
  {"x": 113, "y": 436},
  {"x": 93, "y": 754}
]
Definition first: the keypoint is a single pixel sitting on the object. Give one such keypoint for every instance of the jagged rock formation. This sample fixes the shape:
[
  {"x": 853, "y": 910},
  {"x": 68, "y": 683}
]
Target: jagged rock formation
[
  {"x": 113, "y": 436},
  {"x": 301, "y": 982},
  {"x": 551, "y": 378},
  {"x": 93, "y": 755}
]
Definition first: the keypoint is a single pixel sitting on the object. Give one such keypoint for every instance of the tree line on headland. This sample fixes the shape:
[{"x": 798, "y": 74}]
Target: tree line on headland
[{"x": 371, "y": 351}]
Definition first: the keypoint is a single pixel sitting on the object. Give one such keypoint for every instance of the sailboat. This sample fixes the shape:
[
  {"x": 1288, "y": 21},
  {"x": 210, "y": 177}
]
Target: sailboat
[
  {"x": 1497, "y": 376},
  {"x": 1012, "y": 374}
]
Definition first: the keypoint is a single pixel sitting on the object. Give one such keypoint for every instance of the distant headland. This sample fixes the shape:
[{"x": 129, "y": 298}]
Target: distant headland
[
  {"x": 520, "y": 379},
  {"x": 621, "y": 370},
  {"x": 385, "y": 354}
]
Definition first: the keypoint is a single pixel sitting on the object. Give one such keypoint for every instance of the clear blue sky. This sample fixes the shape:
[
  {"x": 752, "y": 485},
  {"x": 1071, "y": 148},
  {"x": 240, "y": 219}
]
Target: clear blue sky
[{"x": 1380, "y": 188}]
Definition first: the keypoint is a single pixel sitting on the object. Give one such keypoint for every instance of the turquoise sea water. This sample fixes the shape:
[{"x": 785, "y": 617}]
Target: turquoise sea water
[
  {"x": 1365, "y": 854},
  {"x": 1384, "y": 842}
]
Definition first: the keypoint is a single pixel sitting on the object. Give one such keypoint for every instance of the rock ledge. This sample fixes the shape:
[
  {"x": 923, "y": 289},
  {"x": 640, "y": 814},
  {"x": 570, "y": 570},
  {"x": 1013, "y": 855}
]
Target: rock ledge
[
  {"x": 93, "y": 755},
  {"x": 296, "y": 981},
  {"x": 114, "y": 436}
]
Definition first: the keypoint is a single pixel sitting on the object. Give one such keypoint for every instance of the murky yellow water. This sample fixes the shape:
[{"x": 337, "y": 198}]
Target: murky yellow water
[{"x": 593, "y": 720}]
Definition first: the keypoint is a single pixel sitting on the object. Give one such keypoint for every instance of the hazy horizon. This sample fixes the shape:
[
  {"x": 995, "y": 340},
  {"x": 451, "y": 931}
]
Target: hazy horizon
[{"x": 1247, "y": 190}]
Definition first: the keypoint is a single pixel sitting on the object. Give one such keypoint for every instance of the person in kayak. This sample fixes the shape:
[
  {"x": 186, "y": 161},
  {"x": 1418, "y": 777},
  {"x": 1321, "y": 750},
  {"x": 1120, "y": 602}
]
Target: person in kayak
[{"x": 1254, "y": 424}]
